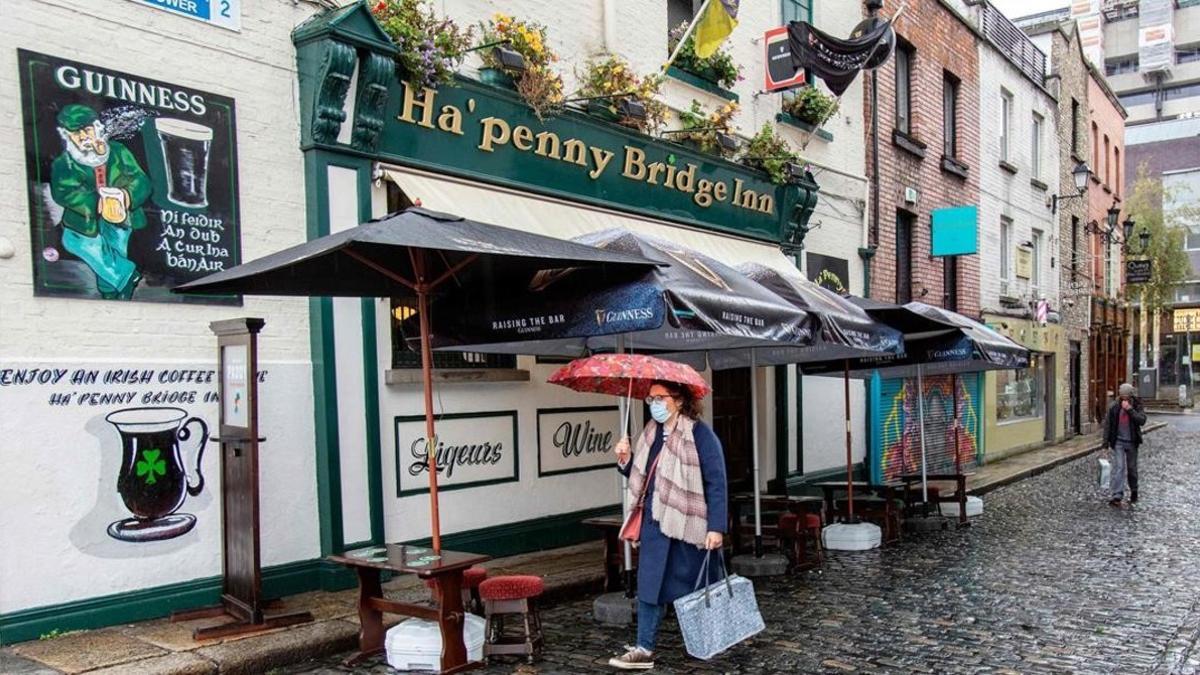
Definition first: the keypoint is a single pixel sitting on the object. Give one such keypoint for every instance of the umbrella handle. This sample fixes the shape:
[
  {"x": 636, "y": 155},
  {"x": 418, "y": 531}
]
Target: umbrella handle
[{"x": 628, "y": 409}]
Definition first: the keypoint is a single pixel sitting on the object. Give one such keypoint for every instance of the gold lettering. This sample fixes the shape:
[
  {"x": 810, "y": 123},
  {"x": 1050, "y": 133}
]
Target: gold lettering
[
  {"x": 704, "y": 193},
  {"x": 576, "y": 151},
  {"x": 548, "y": 145},
  {"x": 686, "y": 180},
  {"x": 495, "y": 130},
  {"x": 748, "y": 199},
  {"x": 601, "y": 158},
  {"x": 669, "y": 180},
  {"x": 450, "y": 120},
  {"x": 737, "y": 192},
  {"x": 635, "y": 164},
  {"x": 766, "y": 204},
  {"x": 655, "y": 169},
  {"x": 425, "y": 104},
  {"x": 522, "y": 138},
  {"x": 721, "y": 190}
]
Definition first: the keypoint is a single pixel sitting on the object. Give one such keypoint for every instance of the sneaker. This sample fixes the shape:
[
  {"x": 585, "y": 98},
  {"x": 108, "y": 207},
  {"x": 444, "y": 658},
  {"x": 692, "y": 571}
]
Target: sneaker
[
  {"x": 634, "y": 659},
  {"x": 1133, "y": 497},
  {"x": 1115, "y": 501}
]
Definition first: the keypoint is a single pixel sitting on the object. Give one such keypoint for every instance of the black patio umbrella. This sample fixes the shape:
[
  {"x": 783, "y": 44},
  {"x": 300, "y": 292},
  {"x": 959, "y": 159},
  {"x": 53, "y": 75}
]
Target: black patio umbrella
[
  {"x": 412, "y": 254},
  {"x": 937, "y": 341}
]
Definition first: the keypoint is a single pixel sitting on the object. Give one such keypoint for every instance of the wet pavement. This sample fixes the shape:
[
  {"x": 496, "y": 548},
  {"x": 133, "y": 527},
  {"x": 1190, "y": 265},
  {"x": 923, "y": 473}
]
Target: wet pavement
[{"x": 1049, "y": 580}]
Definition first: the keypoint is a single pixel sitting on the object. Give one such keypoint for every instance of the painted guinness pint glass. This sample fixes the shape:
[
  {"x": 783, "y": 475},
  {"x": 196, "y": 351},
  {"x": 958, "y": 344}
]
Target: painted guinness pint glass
[{"x": 185, "y": 148}]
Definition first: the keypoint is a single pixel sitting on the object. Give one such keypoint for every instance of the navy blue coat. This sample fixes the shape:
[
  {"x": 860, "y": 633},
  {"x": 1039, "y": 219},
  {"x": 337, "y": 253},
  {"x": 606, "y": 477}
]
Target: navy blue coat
[{"x": 668, "y": 568}]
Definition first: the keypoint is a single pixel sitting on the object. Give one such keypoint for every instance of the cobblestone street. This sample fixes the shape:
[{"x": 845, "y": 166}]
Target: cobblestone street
[{"x": 1050, "y": 580}]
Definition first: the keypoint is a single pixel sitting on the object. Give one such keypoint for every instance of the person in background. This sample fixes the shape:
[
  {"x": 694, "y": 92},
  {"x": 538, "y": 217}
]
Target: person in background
[
  {"x": 1123, "y": 433},
  {"x": 685, "y": 509}
]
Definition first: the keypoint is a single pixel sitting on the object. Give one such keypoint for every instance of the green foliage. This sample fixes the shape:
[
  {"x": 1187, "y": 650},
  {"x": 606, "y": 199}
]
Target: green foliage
[
  {"x": 769, "y": 152},
  {"x": 811, "y": 105},
  {"x": 709, "y": 124},
  {"x": 431, "y": 48},
  {"x": 1167, "y": 233},
  {"x": 538, "y": 85},
  {"x": 610, "y": 74},
  {"x": 718, "y": 68}
]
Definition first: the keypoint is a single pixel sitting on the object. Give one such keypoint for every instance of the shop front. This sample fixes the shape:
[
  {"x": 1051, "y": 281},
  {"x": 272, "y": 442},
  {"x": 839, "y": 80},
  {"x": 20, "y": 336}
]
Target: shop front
[
  {"x": 524, "y": 461},
  {"x": 1023, "y": 407}
]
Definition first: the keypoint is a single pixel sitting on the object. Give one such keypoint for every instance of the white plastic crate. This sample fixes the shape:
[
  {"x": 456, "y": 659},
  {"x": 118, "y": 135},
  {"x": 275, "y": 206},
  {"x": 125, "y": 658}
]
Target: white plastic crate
[
  {"x": 847, "y": 537},
  {"x": 951, "y": 509},
  {"x": 416, "y": 644}
]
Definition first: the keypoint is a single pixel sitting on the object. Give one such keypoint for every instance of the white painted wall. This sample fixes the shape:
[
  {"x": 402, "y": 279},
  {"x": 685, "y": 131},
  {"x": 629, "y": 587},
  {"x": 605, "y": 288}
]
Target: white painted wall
[{"x": 58, "y": 483}]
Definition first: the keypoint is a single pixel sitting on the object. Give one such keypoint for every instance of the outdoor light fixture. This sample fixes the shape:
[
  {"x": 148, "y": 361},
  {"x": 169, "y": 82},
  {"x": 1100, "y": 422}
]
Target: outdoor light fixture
[
  {"x": 1080, "y": 173},
  {"x": 726, "y": 140},
  {"x": 1123, "y": 236},
  {"x": 508, "y": 58},
  {"x": 631, "y": 107}
]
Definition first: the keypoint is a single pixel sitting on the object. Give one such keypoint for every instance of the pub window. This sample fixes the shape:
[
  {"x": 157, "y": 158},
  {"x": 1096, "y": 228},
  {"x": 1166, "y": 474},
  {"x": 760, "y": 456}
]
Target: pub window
[
  {"x": 406, "y": 349},
  {"x": 680, "y": 11},
  {"x": 904, "y": 257},
  {"x": 795, "y": 10},
  {"x": 950, "y": 114},
  {"x": 904, "y": 63},
  {"x": 1019, "y": 392},
  {"x": 1006, "y": 108}
]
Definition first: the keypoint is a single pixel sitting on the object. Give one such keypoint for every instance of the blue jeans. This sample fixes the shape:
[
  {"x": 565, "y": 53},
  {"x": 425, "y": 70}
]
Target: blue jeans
[{"x": 648, "y": 618}]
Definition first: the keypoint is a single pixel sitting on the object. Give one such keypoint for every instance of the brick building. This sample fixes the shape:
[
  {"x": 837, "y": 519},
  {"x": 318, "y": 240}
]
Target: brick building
[{"x": 928, "y": 156}]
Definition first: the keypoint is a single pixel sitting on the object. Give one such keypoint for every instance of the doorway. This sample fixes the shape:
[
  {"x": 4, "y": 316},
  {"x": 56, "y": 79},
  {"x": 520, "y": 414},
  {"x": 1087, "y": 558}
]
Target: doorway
[
  {"x": 1075, "y": 380},
  {"x": 1049, "y": 382},
  {"x": 731, "y": 423}
]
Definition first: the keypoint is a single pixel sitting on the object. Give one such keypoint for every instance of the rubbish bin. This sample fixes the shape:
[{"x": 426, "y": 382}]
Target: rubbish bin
[{"x": 1148, "y": 383}]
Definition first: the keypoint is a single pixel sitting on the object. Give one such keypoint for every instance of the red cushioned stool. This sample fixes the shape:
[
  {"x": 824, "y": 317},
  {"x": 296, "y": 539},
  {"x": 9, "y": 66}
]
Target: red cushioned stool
[
  {"x": 796, "y": 533},
  {"x": 505, "y": 596},
  {"x": 472, "y": 577}
]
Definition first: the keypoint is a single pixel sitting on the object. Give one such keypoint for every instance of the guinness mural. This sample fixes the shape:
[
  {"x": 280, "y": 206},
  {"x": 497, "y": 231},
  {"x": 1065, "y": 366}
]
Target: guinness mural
[
  {"x": 576, "y": 439},
  {"x": 132, "y": 182},
  {"x": 472, "y": 449}
]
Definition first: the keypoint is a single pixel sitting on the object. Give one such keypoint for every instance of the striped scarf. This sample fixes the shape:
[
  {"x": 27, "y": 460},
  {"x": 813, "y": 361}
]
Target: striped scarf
[{"x": 679, "y": 505}]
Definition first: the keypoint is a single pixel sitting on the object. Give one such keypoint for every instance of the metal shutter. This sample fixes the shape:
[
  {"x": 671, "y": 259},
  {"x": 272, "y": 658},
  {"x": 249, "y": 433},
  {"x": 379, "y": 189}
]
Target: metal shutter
[{"x": 896, "y": 437}]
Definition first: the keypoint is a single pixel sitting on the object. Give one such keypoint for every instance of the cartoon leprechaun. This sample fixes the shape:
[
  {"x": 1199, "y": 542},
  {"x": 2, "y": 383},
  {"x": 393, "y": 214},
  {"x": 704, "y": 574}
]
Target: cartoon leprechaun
[{"x": 101, "y": 188}]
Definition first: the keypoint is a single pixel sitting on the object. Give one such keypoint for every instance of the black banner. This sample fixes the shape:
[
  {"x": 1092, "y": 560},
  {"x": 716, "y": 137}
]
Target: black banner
[
  {"x": 839, "y": 61},
  {"x": 132, "y": 182}
]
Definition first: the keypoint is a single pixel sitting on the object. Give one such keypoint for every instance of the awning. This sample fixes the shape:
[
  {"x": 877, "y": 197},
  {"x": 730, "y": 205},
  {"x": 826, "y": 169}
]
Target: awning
[{"x": 565, "y": 220}]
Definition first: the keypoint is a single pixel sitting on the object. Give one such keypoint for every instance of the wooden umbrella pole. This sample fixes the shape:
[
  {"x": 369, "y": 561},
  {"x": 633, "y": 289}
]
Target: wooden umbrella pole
[
  {"x": 849, "y": 454},
  {"x": 427, "y": 379}
]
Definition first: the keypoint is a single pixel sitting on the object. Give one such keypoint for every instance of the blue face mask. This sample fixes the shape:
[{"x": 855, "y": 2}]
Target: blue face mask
[{"x": 658, "y": 410}]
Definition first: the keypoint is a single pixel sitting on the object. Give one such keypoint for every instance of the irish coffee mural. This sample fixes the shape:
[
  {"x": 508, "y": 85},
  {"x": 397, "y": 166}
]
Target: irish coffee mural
[{"x": 132, "y": 182}]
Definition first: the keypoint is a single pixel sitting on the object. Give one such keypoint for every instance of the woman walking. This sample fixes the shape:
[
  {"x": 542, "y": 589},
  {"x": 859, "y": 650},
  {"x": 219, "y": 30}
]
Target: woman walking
[{"x": 684, "y": 513}]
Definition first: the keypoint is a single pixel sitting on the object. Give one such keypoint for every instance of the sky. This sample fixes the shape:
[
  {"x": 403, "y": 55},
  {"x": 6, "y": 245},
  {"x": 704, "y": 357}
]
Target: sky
[{"x": 1015, "y": 8}]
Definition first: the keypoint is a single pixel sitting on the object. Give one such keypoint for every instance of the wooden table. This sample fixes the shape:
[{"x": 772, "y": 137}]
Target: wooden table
[
  {"x": 446, "y": 568},
  {"x": 798, "y": 504},
  {"x": 885, "y": 490},
  {"x": 913, "y": 480},
  {"x": 614, "y": 550}
]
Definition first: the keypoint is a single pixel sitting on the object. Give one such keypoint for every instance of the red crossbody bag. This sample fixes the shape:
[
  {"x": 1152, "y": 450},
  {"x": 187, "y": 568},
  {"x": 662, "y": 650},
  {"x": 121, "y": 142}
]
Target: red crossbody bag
[{"x": 632, "y": 529}]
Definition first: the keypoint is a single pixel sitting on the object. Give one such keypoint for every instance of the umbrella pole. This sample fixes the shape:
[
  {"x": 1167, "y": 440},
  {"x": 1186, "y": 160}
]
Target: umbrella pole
[
  {"x": 849, "y": 444},
  {"x": 921, "y": 421},
  {"x": 427, "y": 380},
  {"x": 623, "y": 405},
  {"x": 758, "y": 548},
  {"x": 954, "y": 397}
]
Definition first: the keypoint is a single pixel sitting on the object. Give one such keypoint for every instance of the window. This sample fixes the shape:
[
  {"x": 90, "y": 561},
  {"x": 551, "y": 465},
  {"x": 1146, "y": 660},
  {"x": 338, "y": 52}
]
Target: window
[
  {"x": 950, "y": 282},
  {"x": 1192, "y": 241},
  {"x": 1035, "y": 278},
  {"x": 1006, "y": 107},
  {"x": 904, "y": 61},
  {"x": 680, "y": 11},
  {"x": 904, "y": 256},
  {"x": 1095, "y": 149},
  {"x": 1035, "y": 148},
  {"x": 1121, "y": 65},
  {"x": 1075, "y": 127},
  {"x": 1005, "y": 255},
  {"x": 950, "y": 115},
  {"x": 1019, "y": 392},
  {"x": 796, "y": 10},
  {"x": 1117, "y": 171},
  {"x": 1074, "y": 249},
  {"x": 1187, "y": 53},
  {"x": 1189, "y": 292},
  {"x": 1107, "y": 161},
  {"x": 1110, "y": 276}
]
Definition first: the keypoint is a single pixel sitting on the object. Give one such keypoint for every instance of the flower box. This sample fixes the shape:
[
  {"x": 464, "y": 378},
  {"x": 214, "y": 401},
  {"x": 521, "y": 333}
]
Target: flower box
[
  {"x": 785, "y": 118},
  {"x": 700, "y": 82}
]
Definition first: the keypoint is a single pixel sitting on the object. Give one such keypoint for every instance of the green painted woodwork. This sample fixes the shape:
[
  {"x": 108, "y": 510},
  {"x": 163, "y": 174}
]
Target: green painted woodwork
[
  {"x": 785, "y": 118},
  {"x": 540, "y": 534},
  {"x": 701, "y": 83},
  {"x": 337, "y": 69},
  {"x": 352, "y": 24},
  {"x": 369, "y": 107}
]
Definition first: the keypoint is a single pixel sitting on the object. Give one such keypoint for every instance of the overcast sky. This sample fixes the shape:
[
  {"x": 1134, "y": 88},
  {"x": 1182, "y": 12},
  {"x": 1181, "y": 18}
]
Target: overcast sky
[{"x": 1016, "y": 8}]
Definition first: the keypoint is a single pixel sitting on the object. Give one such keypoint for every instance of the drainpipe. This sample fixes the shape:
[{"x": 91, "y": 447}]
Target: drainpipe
[{"x": 871, "y": 235}]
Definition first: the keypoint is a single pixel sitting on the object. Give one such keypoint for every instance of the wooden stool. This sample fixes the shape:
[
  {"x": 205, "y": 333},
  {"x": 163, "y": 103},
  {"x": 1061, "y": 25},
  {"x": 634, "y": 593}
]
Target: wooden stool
[
  {"x": 472, "y": 577},
  {"x": 795, "y": 533},
  {"x": 512, "y": 595}
]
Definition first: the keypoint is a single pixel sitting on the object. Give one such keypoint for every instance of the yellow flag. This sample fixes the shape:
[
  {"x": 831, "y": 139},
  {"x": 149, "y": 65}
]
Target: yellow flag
[{"x": 718, "y": 21}]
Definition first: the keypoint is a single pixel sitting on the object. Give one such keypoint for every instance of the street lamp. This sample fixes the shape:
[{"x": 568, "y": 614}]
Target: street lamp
[{"x": 1080, "y": 174}]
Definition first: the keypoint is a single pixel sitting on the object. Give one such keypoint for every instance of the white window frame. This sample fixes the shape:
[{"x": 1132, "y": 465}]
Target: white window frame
[
  {"x": 1035, "y": 278},
  {"x": 1006, "y": 108},
  {"x": 1006, "y": 267},
  {"x": 1035, "y": 157}
]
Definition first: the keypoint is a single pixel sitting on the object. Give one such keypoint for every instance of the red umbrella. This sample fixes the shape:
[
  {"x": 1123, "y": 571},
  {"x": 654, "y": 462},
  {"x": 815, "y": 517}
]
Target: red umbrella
[{"x": 627, "y": 375}]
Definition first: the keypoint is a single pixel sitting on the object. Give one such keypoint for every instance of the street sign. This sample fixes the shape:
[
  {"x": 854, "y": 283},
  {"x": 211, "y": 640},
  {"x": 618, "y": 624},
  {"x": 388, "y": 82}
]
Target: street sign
[
  {"x": 1137, "y": 271},
  {"x": 223, "y": 13}
]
